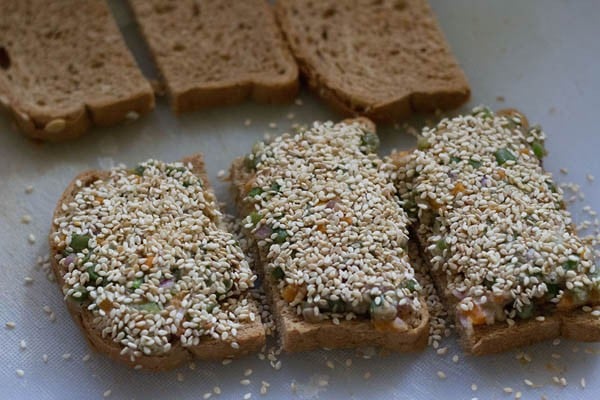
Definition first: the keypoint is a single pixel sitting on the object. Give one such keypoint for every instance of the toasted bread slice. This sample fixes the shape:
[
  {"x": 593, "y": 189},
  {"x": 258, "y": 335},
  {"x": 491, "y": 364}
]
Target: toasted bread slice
[
  {"x": 550, "y": 320},
  {"x": 65, "y": 67},
  {"x": 250, "y": 335},
  {"x": 217, "y": 52},
  {"x": 382, "y": 59},
  {"x": 298, "y": 334}
]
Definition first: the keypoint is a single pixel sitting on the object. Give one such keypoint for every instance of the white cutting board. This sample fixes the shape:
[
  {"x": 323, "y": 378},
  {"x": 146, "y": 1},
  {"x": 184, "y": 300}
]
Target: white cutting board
[{"x": 542, "y": 57}]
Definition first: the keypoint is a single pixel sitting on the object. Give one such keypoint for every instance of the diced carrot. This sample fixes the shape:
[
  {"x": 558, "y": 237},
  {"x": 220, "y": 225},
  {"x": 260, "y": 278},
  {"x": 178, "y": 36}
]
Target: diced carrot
[
  {"x": 99, "y": 199},
  {"x": 322, "y": 228},
  {"x": 566, "y": 302},
  {"x": 476, "y": 315},
  {"x": 105, "y": 305},
  {"x": 382, "y": 326},
  {"x": 458, "y": 188},
  {"x": 434, "y": 204},
  {"x": 347, "y": 220},
  {"x": 289, "y": 293},
  {"x": 501, "y": 173},
  {"x": 525, "y": 151},
  {"x": 149, "y": 260}
]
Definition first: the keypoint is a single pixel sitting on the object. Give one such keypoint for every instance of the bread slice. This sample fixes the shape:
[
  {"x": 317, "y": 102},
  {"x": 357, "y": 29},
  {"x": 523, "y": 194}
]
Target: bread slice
[
  {"x": 383, "y": 59},
  {"x": 65, "y": 67},
  {"x": 295, "y": 333},
  {"x": 499, "y": 336},
  {"x": 217, "y": 52},
  {"x": 250, "y": 337}
]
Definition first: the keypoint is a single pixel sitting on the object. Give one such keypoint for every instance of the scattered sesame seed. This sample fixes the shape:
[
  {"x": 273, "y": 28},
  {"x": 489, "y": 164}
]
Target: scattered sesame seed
[
  {"x": 582, "y": 383},
  {"x": 31, "y": 238},
  {"x": 348, "y": 362},
  {"x": 441, "y": 375},
  {"x": 272, "y": 125},
  {"x": 10, "y": 325},
  {"x": 226, "y": 361},
  {"x": 291, "y": 116},
  {"x": 29, "y": 189},
  {"x": 528, "y": 382},
  {"x": 45, "y": 358},
  {"x": 86, "y": 358},
  {"x": 596, "y": 313},
  {"x": 180, "y": 377},
  {"x": 217, "y": 390},
  {"x": 221, "y": 174},
  {"x": 507, "y": 390},
  {"x": 23, "y": 344},
  {"x": 563, "y": 381},
  {"x": 248, "y": 372},
  {"x": 298, "y": 102},
  {"x": 556, "y": 342},
  {"x": 518, "y": 395},
  {"x": 474, "y": 387},
  {"x": 207, "y": 395},
  {"x": 20, "y": 373},
  {"x": 277, "y": 365},
  {"x": 367, "y": 375},
  {"x": 247, "y": 396},
  {"x": 107, "y": 393},
  {"x": 442, "y": 350},
  {"x": 455, "y": 358},
  {"x": 330, "y": 364},
  {"x": 564, "y": 171},
  {"x": 245, "y": 382},
  {"x": 66, "y": 356},
  {"x": 26, "y": 219},
  {"x": 263, "y": 390},
  {"x": 590, "y": 177},
  {"x": 28, "y": 280}
]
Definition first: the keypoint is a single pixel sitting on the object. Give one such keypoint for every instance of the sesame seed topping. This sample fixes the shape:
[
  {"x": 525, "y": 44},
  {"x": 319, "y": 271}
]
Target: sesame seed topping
[
  {"x": 22, "y": 344},
  {"x": 474, "y": 387},
  {"x": 10, "y": 325},
  {"x": 107, "y": 393},
  {"x": 329, "y": 228},
  {"x": 493, "y": 220},
  {"x": 245, "y": 382},
  {"x": 507, "y": 390},
  {"x": 31, "y": 238},
  {"x": 582, "y": 383},
  {"x": 45, "y": 358},
  {"x": 248, "y": 372},
  {"x": 144, "y": 251},
  {"x": 207, "y": 395},
  {"x": 26, "y": 219},
  {"x": 441, "y": 375},
  {"x": 217, "y": 390},
  {"x": 20, "y": 373},
  {"x": 247, "y": 396}
]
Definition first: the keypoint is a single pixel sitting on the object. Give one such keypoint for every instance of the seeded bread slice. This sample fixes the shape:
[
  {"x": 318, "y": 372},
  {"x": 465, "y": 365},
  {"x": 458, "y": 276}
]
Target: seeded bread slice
[
  {"x": 64, "y": 67},
  {"x": 298, "y": 335},
  {"x": 499, "y": 337},
  {"x": 250, "y": 337},
  {"x": 383, "y": 59},
  {"x": 217, "y": 52}
]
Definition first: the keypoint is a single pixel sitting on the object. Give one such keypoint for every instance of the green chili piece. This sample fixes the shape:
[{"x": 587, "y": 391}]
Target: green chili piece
[
  {"x": 281, "y": 237},
  {"x": 79, "y": 242},
  {"x": 255, "y": 217},
  {"x": 81, "y": 297},
  {"x": 475, "y": 163},
  {"x": 277, "y": 273},
  {"x": 503, "y": 155},
  {"x": 538, "y": 149},
  {"x": 255, "y": 192}
]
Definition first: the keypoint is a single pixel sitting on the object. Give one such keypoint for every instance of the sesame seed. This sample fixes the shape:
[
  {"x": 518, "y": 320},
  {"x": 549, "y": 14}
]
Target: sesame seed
[
  {"x": 507, "y": 389},
  {"x": 248, "y": 122},
  {"x": 28, "y": 280},
  {"x": 248, "y": 372},
  {"x": 441, "y": 375},
  {"x": 277, "y": 365},
  {"x": 66, "y": 356},
  {"x": 245, "y": 382},
  {"x": 455, "y": 358},
  {"x": 29, "y": 189},
  {"x": 10, "y": 325},
  {"x": 45, "y": 358},
  {"x": 556, "y": 342},
  {"x": 518, "y": 395},
  {"x": 540, "y": 318},
  {"x": 528, "y": 382},
  {"x": 247, "y": 396},
  {"x": 272, "y": 125},
  {"x": 367, "y": 375},
  {"x": 107, "y": 393},
  {"x": 20, "y": 373},
  {"x": 348, "y": 362},
  {"x": 582, "y": 383},
  {"x": 226, "y": 361},
  {"x": 207, "y": 395},
  {"x": 180, "y": 377},
  {"x": 26, "y": 219},
  {"x": 31, "y": 238},
  {"x": 330, "y": 364},
  {"x": 474, "y": 387},
  {"x": 590, "y": 177},
  {"x": 298, "y": 102},
  {"x": 442, "y": 350},
  {"x": 217, "y": 390},
  {"x": 291, "y": 116},
  {"x": 596, "y": 313},
  {"x": 23, "y": 344}
]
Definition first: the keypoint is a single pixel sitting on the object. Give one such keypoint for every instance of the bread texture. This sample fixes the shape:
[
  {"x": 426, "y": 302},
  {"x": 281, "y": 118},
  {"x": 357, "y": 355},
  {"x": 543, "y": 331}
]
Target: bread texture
[
  {"x": 250, "y": 337},
  {"x": 383, "y": 59},
  {"x": 65, "y": 67},
  {"x": 295, "y": 333},
  {"x": 217, "y": 52},
  {"x": 500, "y": 337}
]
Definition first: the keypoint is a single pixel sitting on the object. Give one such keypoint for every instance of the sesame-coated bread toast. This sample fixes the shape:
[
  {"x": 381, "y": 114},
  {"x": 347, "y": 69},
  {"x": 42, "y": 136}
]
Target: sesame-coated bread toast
[
  {"x": 325, "y": 291},
  {"x": 153, "y": 311},
  {"x": 65, "y": 67},
  {"x": 493, "y": 227},
  {"x": 382, "y": 59},
  {"x": 217, "y": 52}
]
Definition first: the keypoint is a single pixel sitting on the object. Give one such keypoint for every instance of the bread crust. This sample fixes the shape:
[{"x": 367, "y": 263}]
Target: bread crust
[
  {"x": 251, "y": 336},
  {"x": 352, "y": 103},
  {"x": 59, "y": 123},
  {"x": 193, "y": 94},
  {"x": 298, "y": 335},
  {"x": 500, "y": 337}
]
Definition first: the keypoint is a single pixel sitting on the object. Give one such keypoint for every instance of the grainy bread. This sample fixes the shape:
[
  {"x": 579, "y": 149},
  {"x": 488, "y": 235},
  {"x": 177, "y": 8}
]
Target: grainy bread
[
  {"x": 250, "y": 337},
  {"x": 499, "y": 337},
  {"x": 217, "y": 52},
  {"x": 384, "y": 59},
  {"x": 64, "y": 67},
  {"x": 295, "y": 333}
]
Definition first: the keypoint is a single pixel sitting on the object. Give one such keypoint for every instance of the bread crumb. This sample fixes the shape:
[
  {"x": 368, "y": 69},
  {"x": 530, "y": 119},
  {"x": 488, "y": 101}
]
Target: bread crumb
[{"x": 590, "y": 177}]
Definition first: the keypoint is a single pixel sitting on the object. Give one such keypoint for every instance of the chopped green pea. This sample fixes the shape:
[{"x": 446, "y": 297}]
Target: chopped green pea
[
  {"x": 277, "y": 273},
  {"x": 255, "y": 192},
  {"x": 150, "y": 307},
  {"x": 275, "y": 187},
  {"x": 281, "y": 237},
  {"x": 370, "y": 141},
  {"x": 255, "y": 217},
  {"x": 337, "y": 306},
  {"x": 538, "y": 149},
  {"x": 475, "y": 163},
  {"x": 503, "y": 155},
  {"x": 79, "y": 242},
  {"x": 228, "y": 284},
  {"x": 455, "y": 160},
  {"x": 526, "y": 311},
  {"x": 441, "y": 245},
  {"x": 139, "y": 170},
  {"x": 92, "y": 274},
  {"x": 422, "y": 143},
  {"x": 570, "y": 265},
  {"x": 79, "y": 295}
]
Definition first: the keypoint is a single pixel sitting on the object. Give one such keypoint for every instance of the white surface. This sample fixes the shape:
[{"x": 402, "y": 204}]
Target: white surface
[{"x": 541, "y": 56}]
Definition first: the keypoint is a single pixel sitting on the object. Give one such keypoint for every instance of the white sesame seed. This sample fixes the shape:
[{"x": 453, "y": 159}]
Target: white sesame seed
[
  {"x": 25, "y": 219},
  {"x": 330, "y": 364},
  {"x": 348, "y": 362},
  {"x": 474, "y": 387},
  {"x": 441, "y": 375},
  {"x": 528, "y": 382},
  {"x": 226, "y": 361},
  {"x": 10, "y": 325},
  {"x": 248, "y": 372},
  {"x": 23, "y": 344},
  {"x": 20, "y": 373},
  {"x": 367, "y": 375},
  {"x": 180, "y": 377},
  {"x": 590, "y": 177},
  {"x": 455, "y": 358},
  {"x": 66, "y": 356},
  {"x": 556, "y": 342},
  {"x": 277, "y": 365},
  {"x": 298, "y": 102},
  {"x": 442, "y": 350},
  {"x": 582, "y": 383},
  {"x": 107, "y": 393},
  {"x": 217, "y": 390},
  {"x": 29, "y": 189},
  {"x": 291, "y": 116},
  {"x": 86, "y": 358},
  {"x": 31, "y": 238},
  {"x": 245, "y": 382},
  {"x": 518, "y": 395},
  {"x": 507, "y": 389},
  {"x": 221, "y": 174},
  {"x": 207, "y": 395},
  {"x": 45, "y": 357},
  {"x": 248, "y": 122},
  {"x": 247, "y": 396}
]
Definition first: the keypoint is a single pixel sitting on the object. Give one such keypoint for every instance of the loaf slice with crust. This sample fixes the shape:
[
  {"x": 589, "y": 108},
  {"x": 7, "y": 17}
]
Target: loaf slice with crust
[
  {"x": 250, "y": 334},
  {"x": 295, "y": 332},
  {"x": 383, "y": 59},
  {"x": 547, "y": 319},
  {"x": 217, "y": 52},
  {"x": 65, "y": 67}
]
